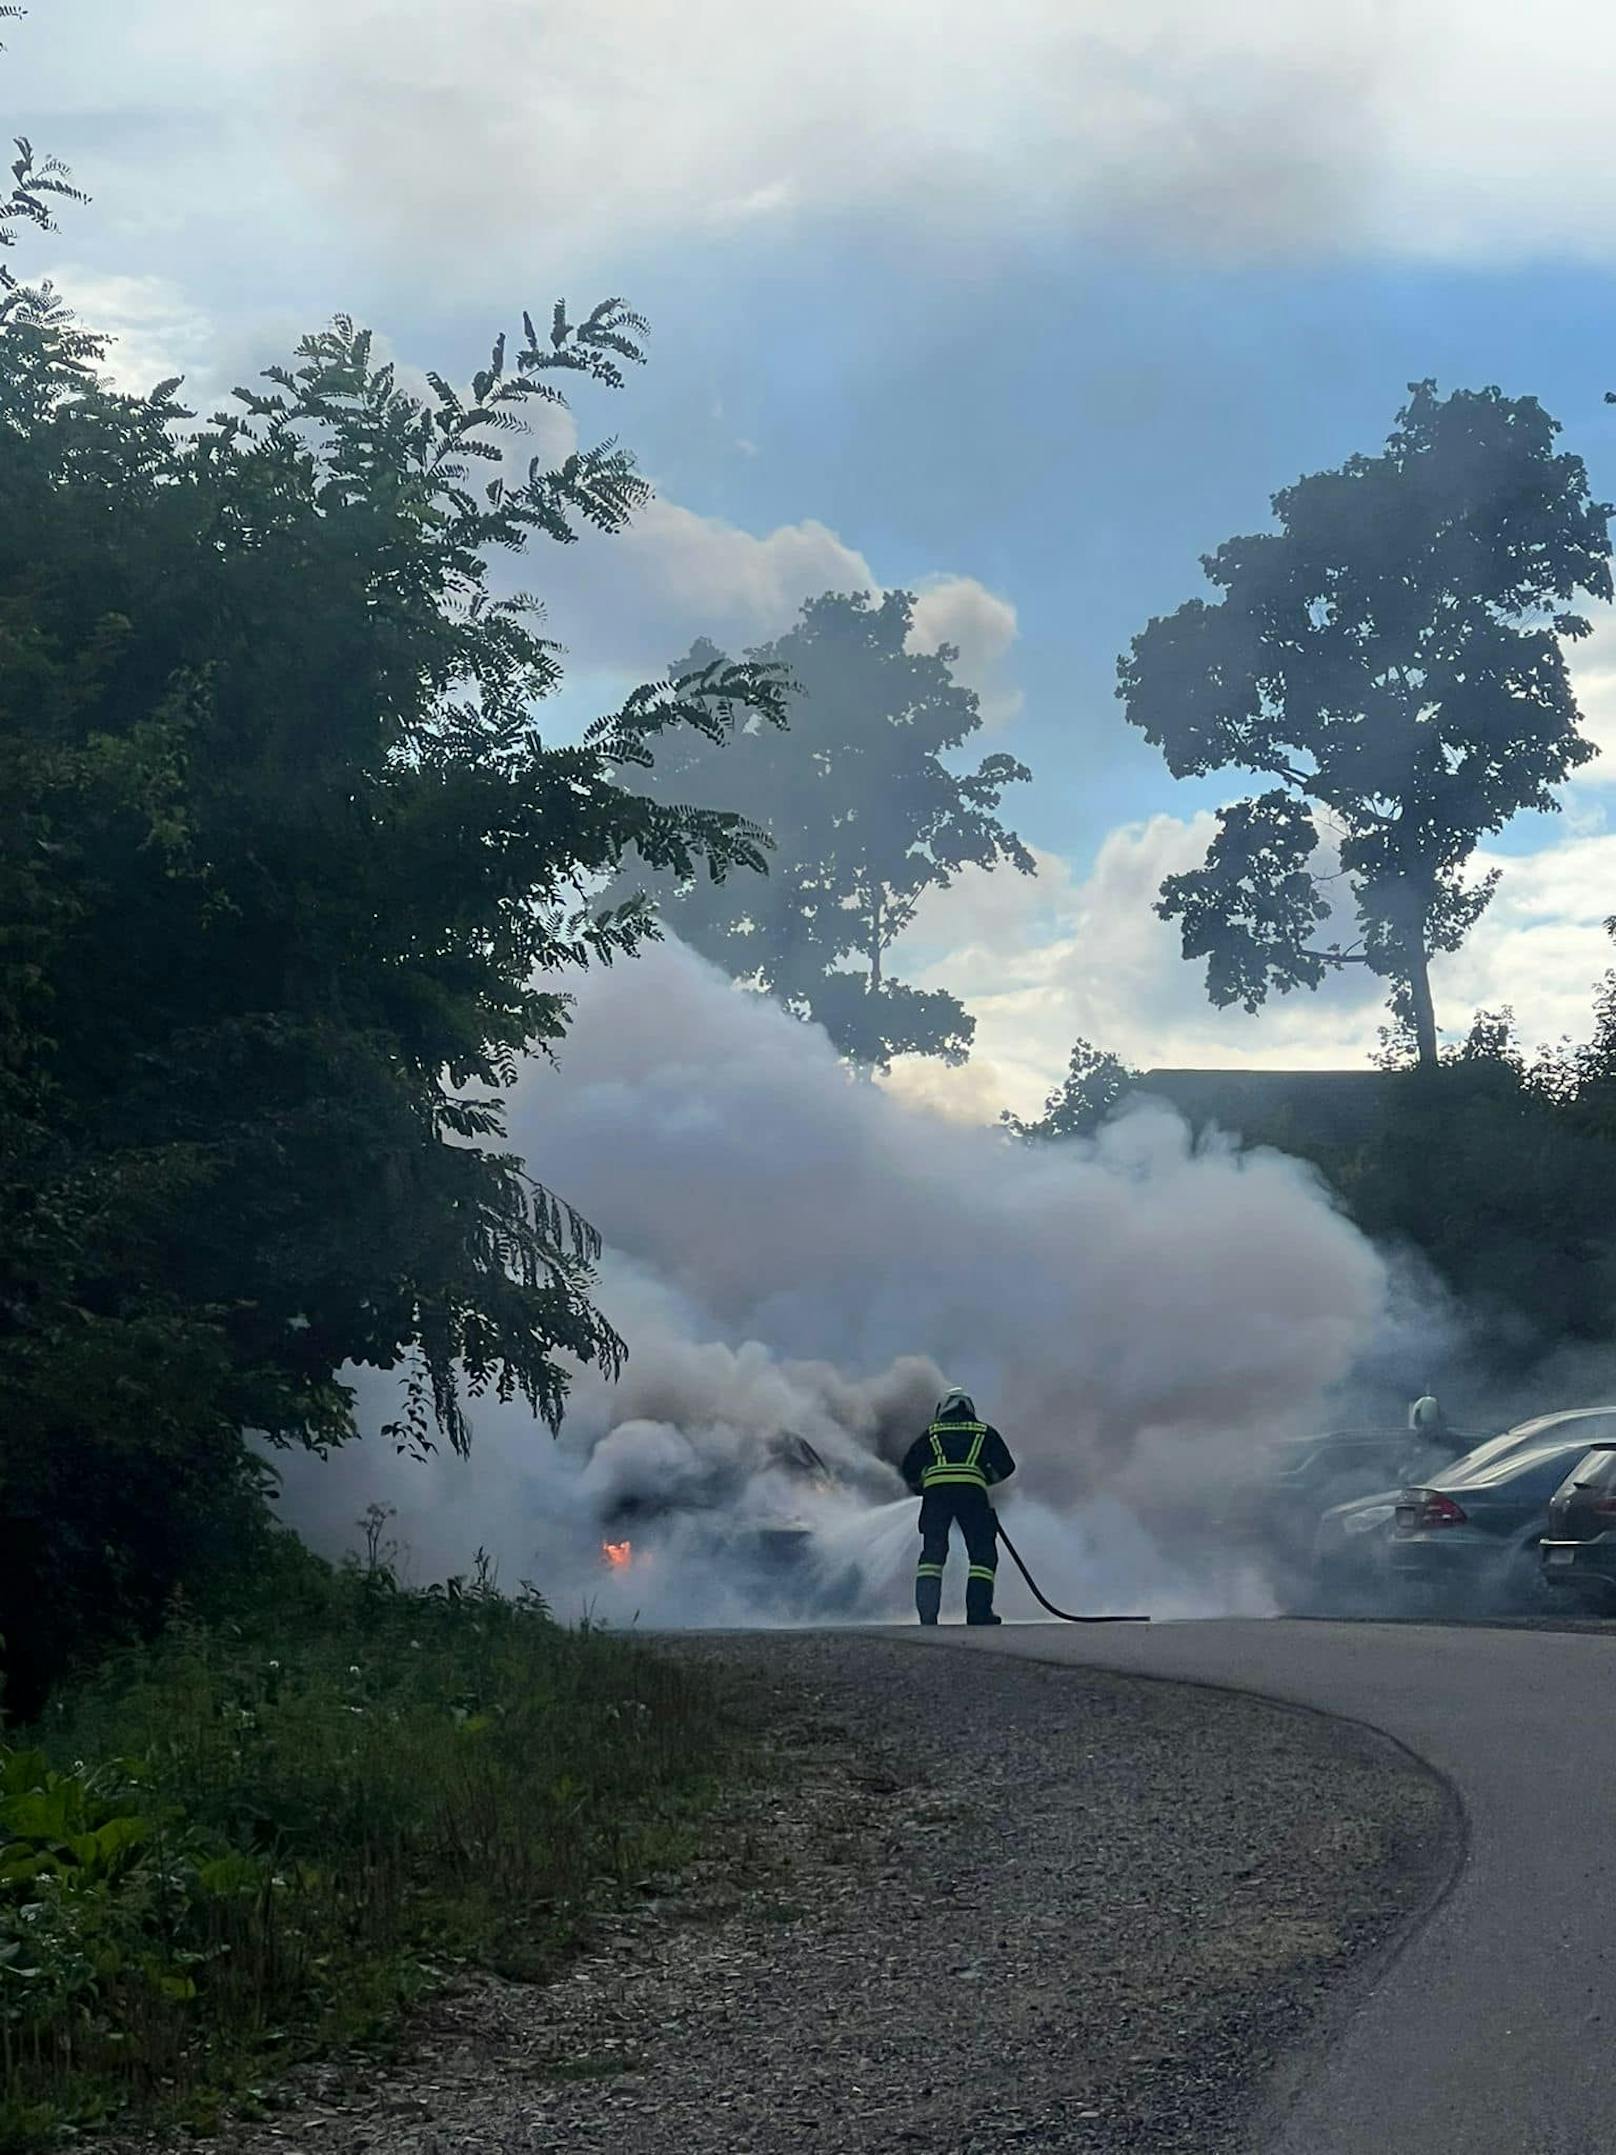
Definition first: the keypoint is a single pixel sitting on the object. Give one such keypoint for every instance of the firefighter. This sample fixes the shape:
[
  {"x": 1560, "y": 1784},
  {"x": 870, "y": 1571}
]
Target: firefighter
[{"x": 951, "y": 1467}]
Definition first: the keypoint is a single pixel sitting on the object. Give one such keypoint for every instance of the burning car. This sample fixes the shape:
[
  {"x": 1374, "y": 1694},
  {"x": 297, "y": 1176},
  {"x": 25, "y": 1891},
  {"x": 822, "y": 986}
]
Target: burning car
[{"x": 759, "y": 1544}]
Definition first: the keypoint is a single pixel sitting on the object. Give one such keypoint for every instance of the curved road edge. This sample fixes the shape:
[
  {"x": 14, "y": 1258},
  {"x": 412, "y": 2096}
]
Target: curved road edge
[{"x": 1481, "y": 2031}]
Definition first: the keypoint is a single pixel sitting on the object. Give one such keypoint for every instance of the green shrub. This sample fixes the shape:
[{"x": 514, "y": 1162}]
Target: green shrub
[{"x": 252, "y": 1838}]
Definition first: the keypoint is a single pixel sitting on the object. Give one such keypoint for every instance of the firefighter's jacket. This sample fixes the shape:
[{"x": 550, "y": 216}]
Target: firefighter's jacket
[{"x": 957, "y": 1456}]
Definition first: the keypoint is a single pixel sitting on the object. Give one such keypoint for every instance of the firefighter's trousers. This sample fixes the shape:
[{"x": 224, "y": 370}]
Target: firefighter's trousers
[{"x": 939, "y": 1510}]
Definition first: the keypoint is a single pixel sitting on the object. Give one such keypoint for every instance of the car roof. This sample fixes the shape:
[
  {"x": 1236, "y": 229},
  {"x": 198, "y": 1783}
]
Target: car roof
[
  {"x": 1501, "y": 1467},
  {"x": 1544, "y": 1437},
  {"x": 1561, "y": 1416},
  {"x": 1565, "y": 1427}
]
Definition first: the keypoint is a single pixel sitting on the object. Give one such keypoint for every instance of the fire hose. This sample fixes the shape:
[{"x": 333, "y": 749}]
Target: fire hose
[{"x": 1065, "y": 1615}]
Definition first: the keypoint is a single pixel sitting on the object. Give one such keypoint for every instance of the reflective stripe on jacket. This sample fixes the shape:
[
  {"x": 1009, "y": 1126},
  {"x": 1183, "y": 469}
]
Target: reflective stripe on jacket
[
  {"x": 955, "y": 1464},
  {"x": 965, "y": 1446}
]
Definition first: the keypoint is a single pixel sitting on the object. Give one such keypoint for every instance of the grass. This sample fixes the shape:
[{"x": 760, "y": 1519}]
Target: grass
[{"x": 254, "y": 1839}]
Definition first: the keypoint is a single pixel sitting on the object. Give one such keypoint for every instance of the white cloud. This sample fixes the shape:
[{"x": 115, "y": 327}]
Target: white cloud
[
  {"x": 769, "y": 201},
  {"x": 634, "y": 603},
  {"x": 982, "y": 626},
  {"x": 1045, "y": 960},
  {"x": 157, "y": 331},
  {"x": 1041, "y": 962},
  {"x": 1541, "y": 944},
  {"x": 1448, "y": 127},
  {"x": 1593, "y": 674},
  {"x": 1438, "y": 128}
]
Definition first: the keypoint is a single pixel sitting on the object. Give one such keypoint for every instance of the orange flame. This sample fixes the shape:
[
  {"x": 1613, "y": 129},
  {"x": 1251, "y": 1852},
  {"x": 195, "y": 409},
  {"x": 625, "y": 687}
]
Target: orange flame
[{"x": 619, "y": 1554}]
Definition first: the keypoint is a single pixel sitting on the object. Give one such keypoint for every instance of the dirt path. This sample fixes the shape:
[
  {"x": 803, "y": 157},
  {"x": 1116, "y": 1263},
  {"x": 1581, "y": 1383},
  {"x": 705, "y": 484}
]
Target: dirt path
[{"x": 980, "y": 1905}]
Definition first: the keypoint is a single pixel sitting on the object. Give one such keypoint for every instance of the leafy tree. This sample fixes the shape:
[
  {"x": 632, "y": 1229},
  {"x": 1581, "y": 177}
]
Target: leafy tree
[
  {"x": 1581, "y": 1078},
  {"x": 1094, "y": 1087},
  {"x": 865, "y": 816},
  {"x": 1392, "y": 657},
  {"x": 289, "y": 879}
]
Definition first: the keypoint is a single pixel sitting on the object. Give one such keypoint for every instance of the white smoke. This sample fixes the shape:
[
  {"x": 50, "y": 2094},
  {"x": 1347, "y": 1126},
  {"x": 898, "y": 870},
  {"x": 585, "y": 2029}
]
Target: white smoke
[{"x": 798, "y": 1258}]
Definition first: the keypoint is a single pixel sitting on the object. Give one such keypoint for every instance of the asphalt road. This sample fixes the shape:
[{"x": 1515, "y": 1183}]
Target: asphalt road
[{"x": 1494, "y": 2030}]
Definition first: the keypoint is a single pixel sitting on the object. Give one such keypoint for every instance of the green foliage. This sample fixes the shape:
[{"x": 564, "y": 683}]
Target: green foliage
[
  {"x": 289, "y": 879},
  {"x": 254, "y": 1837},
  {"x": 865, "y": 816},
  {"x": 35, "y": 184},
  {"x": 1511, "y": 1204},
  {"x": 1392, "y": 657},
  {"x": 1500, "y": 1172},
  {"x": 1094, "y": 1087}
]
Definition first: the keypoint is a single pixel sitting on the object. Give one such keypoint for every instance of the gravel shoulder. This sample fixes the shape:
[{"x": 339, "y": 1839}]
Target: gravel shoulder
[{"x": 973, "y": 1904}]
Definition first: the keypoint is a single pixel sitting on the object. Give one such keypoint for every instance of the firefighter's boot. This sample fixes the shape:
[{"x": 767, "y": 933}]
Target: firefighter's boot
[
  {"x": 928, "y": 1592},
  {"x": 979, "y": 1595}
]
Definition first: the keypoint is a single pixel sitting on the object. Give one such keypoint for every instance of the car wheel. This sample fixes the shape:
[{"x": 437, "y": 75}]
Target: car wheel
[
  {"x": 1590, "y": 1596},
  {"x": 1525, "y": 1589}
]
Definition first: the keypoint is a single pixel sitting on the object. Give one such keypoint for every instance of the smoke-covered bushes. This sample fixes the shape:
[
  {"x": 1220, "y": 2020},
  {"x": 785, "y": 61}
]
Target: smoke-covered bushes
[
  {"x": 1495, "y": 1170},
  {"x": 1505, "y": 1193},
  {"x": 252, "y": 1836}
]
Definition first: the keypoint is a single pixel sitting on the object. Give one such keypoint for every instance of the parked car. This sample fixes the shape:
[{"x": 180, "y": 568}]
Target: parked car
[
  {"x": 1579, "y": 1544},
  {"x": 1278, "y": 1507},
  {"x": 1309, "y": 1467},
  {"x": 1471, "y": 1534},
  {"x": 1351, "y": 1555}
]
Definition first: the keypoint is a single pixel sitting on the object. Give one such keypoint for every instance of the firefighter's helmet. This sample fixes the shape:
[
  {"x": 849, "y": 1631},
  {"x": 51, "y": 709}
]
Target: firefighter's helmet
[{"x": 956, "y": 1406}]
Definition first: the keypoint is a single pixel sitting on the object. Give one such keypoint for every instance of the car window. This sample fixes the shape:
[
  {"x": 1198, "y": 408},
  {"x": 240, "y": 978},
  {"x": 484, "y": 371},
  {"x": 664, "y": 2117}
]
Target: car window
[
  {"x": 1520, "y": 1471},
  {"x": 1592, "y": 1428},
  {"x": 1580, "y": 1425},
  {"x": 1495, "y": 1447},
  {"x": 1318, "y": 1459},
  {"x": 1596, "y": 1470}
]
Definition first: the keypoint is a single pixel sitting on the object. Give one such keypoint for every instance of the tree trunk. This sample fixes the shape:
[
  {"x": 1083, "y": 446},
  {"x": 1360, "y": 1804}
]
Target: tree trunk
[{"x": 1424, "y": 1010}]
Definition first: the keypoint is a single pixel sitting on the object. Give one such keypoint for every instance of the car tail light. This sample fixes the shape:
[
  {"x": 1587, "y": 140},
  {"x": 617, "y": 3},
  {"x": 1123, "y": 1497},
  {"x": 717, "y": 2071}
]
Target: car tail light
[{"x": 1437, "y": 1510}]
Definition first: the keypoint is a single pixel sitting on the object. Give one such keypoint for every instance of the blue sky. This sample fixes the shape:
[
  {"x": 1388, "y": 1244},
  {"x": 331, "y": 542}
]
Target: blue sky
[
  {"x": 1025, "y": 308},
  {"x": 1081, "y": 462}
]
